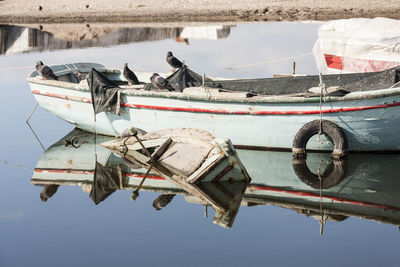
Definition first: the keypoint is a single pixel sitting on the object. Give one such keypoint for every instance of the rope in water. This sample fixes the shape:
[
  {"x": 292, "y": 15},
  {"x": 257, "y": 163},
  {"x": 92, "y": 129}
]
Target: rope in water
[{"x": 322, "y": 220}]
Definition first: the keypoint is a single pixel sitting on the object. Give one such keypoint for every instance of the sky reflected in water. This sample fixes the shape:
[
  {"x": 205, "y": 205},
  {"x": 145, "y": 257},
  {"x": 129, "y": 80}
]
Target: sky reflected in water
[{"x": 69, "y": 229}]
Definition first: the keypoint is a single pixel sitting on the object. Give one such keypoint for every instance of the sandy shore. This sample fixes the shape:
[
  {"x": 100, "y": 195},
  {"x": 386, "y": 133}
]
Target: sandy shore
[{"x": 64, "y": 11}]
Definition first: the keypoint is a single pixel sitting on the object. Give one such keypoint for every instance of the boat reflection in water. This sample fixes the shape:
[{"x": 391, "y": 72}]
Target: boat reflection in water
[
  {"x": 17, "y": 39},
  {"x": 363, "y": 185},
  {"x": 74, "y": 160}
]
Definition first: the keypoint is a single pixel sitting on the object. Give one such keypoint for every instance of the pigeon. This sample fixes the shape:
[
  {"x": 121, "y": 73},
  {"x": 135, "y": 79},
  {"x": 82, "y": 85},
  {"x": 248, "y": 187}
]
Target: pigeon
[
  {"x": 160, "y": 82},
  {"x": 173, "y": 61},
  {"x": 130, "y": 76},
  {"x": 45, "y": 72}
]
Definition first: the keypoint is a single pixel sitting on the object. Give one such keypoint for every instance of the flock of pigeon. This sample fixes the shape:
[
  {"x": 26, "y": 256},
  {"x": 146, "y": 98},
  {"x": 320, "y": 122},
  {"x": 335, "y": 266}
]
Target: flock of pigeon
[{"x": 159, "y": 82}]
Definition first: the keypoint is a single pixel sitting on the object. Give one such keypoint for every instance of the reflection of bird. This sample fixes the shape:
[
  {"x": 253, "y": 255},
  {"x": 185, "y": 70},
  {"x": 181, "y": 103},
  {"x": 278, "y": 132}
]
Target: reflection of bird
[
  {"x": 162, "y": 200},
  {"x": 160, "y": 82},
  {"x": 48, "y": 191},
  {"x": 173, "y": 61},
  {"x": 45, "y": 72},
  {"x": 130, "y": 75},
  {"x": 182, "y": 40}
]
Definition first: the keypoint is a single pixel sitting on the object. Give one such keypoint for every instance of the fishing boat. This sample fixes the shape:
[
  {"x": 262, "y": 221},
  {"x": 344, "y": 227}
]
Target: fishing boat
[
  {"x": 365, "y": 187},
  {"x": 270, "y": 113}
]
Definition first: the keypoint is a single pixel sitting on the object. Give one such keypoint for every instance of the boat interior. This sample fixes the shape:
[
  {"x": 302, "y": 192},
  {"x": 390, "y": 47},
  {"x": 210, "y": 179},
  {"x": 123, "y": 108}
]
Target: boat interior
[{"x": 295, "y": 85}]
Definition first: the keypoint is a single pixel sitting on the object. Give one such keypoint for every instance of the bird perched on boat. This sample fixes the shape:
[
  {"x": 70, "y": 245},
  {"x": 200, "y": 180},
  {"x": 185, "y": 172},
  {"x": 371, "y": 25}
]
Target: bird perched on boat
[
  {"x": 45, "y": 72},
  {"x": 130, "y": 75},
  {"x": 173, "y": 61},
  {"x": 161, "y": 82}
]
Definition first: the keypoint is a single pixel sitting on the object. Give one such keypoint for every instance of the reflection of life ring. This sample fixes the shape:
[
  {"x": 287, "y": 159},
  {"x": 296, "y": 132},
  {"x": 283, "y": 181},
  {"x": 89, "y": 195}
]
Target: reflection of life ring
[
  {"x": 312, "y": 128},
  {"x": 334, "y": 173},
  {"x": 75, "y": 142}
]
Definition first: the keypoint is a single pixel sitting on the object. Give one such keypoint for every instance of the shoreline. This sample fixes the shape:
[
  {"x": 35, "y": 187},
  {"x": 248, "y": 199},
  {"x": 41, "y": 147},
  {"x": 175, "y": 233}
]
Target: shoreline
[{"x": 157, "y": 11}]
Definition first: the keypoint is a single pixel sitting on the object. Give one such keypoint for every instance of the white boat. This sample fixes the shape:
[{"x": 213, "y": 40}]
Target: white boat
[
  {"x": 365, "y": 107},
  {"x": 194, "y": 161},
  {"x": 357, "y": 45},
  {"x": 185, "y": 155}
]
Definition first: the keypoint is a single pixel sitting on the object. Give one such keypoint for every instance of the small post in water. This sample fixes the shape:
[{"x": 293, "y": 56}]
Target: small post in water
[{"x": 294, "y": 67}]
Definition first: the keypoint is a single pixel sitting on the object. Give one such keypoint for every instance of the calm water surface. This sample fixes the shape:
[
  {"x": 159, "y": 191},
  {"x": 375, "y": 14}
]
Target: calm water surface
[{"x": 279, "y": 222}]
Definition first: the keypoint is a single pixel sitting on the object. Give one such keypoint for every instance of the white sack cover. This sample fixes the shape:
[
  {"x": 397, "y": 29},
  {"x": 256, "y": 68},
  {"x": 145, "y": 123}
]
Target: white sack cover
[{"x": 357, "y": 45}]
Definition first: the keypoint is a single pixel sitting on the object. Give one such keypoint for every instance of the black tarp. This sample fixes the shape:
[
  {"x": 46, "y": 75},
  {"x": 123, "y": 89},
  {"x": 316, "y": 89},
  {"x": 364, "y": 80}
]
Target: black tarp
[
  {"x": 184, "y": 77},
  {"x": 374, "y": 80},
  {"x": 105, "y": 182},
  {"x": 300, "y": 84},
  {"x": 181, "y": 79},
  {"x": 105, "y": 94}
]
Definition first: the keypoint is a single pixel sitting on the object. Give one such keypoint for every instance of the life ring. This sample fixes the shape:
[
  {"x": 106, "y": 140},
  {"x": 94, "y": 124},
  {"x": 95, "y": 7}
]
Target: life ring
[
  {"x": 334, "y": 173},
  {"x": 312, "y": 128}
]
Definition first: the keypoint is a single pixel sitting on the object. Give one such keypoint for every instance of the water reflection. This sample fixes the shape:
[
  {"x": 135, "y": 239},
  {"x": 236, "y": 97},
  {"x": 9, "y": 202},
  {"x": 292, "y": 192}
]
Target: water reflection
[
  {"x": 101, "y": 173},
  {"x": 363, "y": 186},
  {"x": 17, "y": 39}
]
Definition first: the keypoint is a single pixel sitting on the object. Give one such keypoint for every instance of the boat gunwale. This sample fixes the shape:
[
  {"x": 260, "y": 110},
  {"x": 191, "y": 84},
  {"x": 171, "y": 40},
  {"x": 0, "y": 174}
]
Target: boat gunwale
[
  {"x": 249, "y": 196},
  {"x": 283, "y": 203},
  {"x": 358, "y": 95}
]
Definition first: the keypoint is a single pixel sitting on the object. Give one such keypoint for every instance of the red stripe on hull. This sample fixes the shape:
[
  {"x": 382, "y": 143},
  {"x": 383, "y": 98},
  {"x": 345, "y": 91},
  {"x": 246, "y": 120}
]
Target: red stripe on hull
[
  {"x": 65, "y": 171},
  {"x": 263, "y": 112},
  {"x": 154, "y": 177},
  {"x": 338, "y": 199},
  {"x": 228, "y": 112},
  {"x": 68, "y": 171}
]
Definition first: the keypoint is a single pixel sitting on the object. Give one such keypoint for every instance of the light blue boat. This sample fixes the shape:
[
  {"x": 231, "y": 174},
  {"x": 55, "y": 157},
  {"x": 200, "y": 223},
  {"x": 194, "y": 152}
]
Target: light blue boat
[{"x": 364, "y": 106}]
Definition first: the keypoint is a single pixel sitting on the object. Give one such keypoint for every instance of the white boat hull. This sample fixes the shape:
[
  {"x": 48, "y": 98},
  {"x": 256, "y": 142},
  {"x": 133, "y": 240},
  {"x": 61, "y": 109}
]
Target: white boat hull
[{"x": 369, "y": 124}]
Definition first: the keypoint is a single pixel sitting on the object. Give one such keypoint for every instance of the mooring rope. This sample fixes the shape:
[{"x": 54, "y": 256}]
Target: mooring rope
[
  {"x": 15, "y": 165},
  {"x": 323, "y": 219},
  {"x": 17, "y": 68},
  {"x": 245, "y": 72},
  {"x": 269, "y": 61},
  {"x": 322, "y": 94},
  {"x": 30, "y": 127},
  {"x": 28, "y": 67}
]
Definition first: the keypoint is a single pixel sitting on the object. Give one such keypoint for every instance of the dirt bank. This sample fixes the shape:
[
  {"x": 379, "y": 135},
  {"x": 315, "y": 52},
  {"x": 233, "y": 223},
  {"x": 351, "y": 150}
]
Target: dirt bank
[{"x": 65, "y": 11}]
